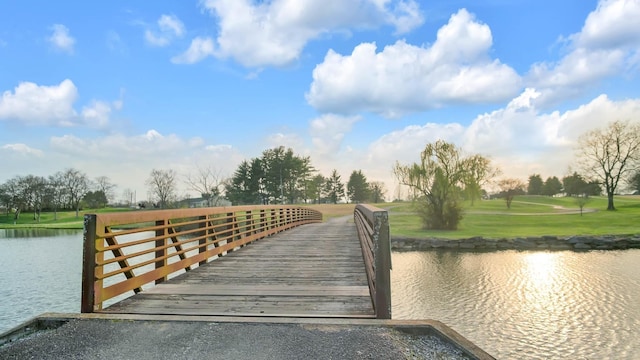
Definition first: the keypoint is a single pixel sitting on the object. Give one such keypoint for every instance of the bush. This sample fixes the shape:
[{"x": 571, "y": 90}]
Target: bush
[{"x": 435, "y": 217}]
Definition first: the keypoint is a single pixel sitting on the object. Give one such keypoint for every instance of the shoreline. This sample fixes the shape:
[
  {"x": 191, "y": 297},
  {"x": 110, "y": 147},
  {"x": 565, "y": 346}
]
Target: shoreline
[{"x": 547, "y": 242}]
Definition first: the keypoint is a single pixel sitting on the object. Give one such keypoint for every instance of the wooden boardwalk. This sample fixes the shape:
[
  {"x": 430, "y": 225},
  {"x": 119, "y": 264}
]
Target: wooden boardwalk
[{"x": 314, "y": 270}]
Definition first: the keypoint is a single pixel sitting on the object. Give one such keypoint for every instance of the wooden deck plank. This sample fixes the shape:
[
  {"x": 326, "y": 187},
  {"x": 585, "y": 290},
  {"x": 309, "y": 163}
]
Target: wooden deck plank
[{"x": 314, "y": 270}]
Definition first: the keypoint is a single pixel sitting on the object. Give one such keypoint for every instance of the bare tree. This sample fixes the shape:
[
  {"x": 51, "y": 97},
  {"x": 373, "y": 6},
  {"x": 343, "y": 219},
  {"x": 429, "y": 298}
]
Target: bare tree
[
  {"x": 509, "y": 188},
  {"x": 378, "y": 191},
  {"x": 607, "y": 155},
  {"x": 129, "y": 197},
  {"x": 55, "y": 192},
  {"x": 208, "y": 182},
  {"x": 76, "y": 185},
  {"x": 162, "y": 186},
  {"x": 103, "y": 184}
]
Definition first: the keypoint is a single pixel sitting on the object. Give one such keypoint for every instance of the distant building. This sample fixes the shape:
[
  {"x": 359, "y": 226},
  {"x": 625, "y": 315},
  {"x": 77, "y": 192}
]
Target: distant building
[{"x": 202, "y": 202}]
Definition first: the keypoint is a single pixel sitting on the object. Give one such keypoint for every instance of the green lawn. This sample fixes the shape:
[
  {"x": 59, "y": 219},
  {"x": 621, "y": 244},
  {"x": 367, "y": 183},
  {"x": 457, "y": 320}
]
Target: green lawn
[
  {"x": 66, "y": 219},
  {"x": 528, "y": 216}
]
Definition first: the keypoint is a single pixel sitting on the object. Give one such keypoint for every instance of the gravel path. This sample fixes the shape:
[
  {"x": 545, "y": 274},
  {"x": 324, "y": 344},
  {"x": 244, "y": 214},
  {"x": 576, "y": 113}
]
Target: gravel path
[{"x": 123, "y": 339}]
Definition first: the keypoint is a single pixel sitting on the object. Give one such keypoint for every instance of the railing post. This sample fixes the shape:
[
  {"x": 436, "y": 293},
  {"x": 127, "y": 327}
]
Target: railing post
[
  {"x": 204, "y": 222},
  {"x": 88, "y": 264},
  {"x": 161, "y": 251},
  {"x": 383, "y": 265}
]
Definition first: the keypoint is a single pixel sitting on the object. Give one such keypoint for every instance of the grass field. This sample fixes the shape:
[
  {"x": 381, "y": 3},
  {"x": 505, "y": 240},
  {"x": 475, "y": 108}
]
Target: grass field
[
  {"x": 66, "y": 219},
  {"x": 528, "y": 216}
]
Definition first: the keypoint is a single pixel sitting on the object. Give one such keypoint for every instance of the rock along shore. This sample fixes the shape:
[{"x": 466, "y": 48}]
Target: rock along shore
[{"x": 478, "y": 243}]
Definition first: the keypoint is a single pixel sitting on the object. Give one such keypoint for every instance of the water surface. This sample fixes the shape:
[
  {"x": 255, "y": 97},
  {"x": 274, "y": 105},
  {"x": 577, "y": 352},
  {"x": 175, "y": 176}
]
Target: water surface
[{"x": 527, "y": 305}]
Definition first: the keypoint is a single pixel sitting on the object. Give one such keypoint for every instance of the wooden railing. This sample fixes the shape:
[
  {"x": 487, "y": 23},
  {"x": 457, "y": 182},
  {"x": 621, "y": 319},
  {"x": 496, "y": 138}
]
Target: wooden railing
[
  {"x": 128, "y": 250},
  {"x": 372, "y": 224}
]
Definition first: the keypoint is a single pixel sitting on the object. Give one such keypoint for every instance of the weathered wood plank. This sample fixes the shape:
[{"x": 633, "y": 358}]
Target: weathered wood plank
[{"x": 260, "y": 290}]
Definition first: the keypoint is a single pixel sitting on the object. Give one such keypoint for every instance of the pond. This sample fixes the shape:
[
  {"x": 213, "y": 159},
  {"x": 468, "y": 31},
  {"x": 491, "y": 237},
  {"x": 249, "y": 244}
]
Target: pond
[{"x": 513, "y": 304}]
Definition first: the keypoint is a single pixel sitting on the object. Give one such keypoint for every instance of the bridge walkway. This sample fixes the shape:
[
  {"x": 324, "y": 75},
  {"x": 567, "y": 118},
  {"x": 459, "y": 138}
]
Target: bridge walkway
[{"x": 314, "y": 270}]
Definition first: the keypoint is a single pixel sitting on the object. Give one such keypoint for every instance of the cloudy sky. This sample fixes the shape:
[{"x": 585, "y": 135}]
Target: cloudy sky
[{"x": 117, "y": 88}]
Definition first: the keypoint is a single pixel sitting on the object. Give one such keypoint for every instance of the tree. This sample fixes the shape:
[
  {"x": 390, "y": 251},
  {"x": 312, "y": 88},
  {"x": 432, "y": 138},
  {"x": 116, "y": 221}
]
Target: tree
[
  {"x": 435, "y": 183},
  {"x": 477, "y": 170},
  {"x": 634, "y": 181},
  {"x": 357, "y": 187},
  {"x": 316, "y": 188},
  {"x": 377, "y": 192},
  {"x": 535, "y": 185},
  {"x": 5, "y": 198},
  {"x": 574, "y": 184},
  {"x": 55, "y": 192},
  {"x": 608, "y": 155},
  {"x": 245, "y": 186},
  {"x": 103, "y": 184},
  {"x": 208, "y": 183},
  {"x": 162, "y": 186},
  {"x": 552, "y": 186},
  {"x": 509, "y": 188},
  {"x": 75, "y": 184},
  {"x": 95, "y": 199},
  {"x": 334, "y": 187},
  {"x": 36, "y": 187},
  {"x": 14, "y": 192}
]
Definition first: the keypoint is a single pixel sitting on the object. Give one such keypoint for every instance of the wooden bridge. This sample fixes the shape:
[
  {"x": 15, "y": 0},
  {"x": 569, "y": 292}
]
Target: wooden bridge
[{"x": 277, "y": 261}]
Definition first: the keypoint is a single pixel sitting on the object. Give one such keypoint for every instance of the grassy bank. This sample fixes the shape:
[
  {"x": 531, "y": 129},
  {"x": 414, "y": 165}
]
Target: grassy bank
[
  {"x": 528, "y": 216},
  {"x": 65, "y": 219}
]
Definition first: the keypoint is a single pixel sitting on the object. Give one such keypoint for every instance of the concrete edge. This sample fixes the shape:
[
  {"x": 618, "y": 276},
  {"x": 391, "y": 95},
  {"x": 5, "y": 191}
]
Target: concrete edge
[
  {"x": 48, "y": 321},
  {"x": 32, "y": 326}
]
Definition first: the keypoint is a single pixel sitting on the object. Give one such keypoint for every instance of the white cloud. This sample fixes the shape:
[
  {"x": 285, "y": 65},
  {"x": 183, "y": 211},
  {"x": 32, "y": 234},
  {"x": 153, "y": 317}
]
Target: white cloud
[
  {"x": 293, "y": 141},
  {"x": 33, "y": 104},
  {"x": 22, "y": 149},
  {"x": 607, "y": 45},
  {"x": 132, "y": 157},
  {"x": 200, "y": 48},
  {"x": 613, "y": 24},
  {"x": 97, "y": 114},
  {"x": 328, "y": 132},
  {"x": 169, "y": 28},
  {"x": 60, "y": 38},
  {"x": 403, "y": 78},
  {"x": 39, "y": 104},
  {"x": 519, "y": 138},
  {"x": 274, "y": 33}
]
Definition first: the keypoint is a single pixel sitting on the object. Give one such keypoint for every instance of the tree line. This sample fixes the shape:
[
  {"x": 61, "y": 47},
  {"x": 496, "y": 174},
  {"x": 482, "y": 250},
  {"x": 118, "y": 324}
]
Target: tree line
[
  {"x": 277, "y": 176},
  {"x": 64, "y": 190},
  {"x": 281, "y": 177}
]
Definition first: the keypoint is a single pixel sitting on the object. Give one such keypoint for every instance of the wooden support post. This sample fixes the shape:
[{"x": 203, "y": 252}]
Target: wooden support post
[
  {"x": 88, "y": 264},
  {"x": 383, "y": 265},
  {"x": 202, "y": 244},
  {"x": 161, "y": 250}
]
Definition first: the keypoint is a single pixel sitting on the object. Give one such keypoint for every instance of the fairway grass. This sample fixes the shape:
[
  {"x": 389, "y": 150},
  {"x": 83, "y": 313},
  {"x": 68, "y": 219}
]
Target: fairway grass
[{"x": 528, "y": 216}]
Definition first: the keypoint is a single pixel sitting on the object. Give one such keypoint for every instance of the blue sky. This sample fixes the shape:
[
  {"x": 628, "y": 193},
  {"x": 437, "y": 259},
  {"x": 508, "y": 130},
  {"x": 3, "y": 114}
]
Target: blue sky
[{"x": 117, "y": 88}]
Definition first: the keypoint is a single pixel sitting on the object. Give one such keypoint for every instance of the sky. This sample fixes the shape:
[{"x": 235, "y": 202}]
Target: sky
[{"x": 118, "y": 88}]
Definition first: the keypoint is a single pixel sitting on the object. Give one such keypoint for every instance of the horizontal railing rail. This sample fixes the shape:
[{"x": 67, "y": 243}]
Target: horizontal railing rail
[
  {"x": 372, "y": 224},
  {"x": 126, "y": 251}
]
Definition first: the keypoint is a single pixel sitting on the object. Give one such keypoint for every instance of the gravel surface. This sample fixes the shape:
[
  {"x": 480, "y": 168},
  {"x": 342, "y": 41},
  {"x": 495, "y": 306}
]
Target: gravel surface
[{"x": 124, "y": 339}]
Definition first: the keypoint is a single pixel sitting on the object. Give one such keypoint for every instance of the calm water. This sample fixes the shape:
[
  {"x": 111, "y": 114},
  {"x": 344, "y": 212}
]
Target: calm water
[
  {"x": 527, "y": 305},
  {"x": 40, "y": 271},
  {"x": 515, "y": 305}
]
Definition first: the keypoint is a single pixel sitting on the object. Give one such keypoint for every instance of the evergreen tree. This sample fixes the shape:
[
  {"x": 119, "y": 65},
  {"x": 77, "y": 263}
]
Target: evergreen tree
[
  {"x": 357, "y": 187},
  {"x": 334, "y": 187}
]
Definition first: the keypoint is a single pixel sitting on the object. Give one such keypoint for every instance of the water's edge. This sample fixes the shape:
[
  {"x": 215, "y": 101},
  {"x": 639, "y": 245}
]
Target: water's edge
[{"x": 479, "y": 243}]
